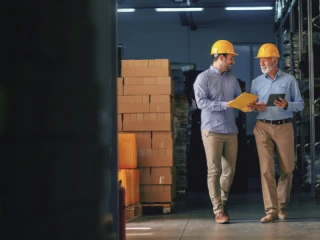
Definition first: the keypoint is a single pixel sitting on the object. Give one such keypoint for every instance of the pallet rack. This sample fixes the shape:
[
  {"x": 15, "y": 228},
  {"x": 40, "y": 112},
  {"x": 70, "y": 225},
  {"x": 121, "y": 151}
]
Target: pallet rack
[{"x": 295, "y": 40}]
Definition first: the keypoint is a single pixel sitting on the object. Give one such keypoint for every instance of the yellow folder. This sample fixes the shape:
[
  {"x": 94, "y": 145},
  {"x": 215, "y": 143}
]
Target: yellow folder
[{"x": 243, "y": 100}]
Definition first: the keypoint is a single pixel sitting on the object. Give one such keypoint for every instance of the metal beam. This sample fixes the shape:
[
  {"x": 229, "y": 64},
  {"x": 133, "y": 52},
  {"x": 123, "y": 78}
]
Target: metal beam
[{"x": 186, "y": 19}]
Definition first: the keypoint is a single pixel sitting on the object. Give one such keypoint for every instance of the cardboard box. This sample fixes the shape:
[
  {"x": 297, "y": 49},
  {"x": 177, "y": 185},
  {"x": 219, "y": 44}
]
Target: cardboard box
[
  {"x": 127, "y": 150},
  {"x": 133, "y": 107},
  {"x": 162, "y": 135},
  {"x": 145, "y": 72},
  {"x": 147, "y": 116},
  {"x": 157, "y": 193},
  {"x": 143, "y": 140},
  {"x": 156, "y": 89},
  {"x": 147, "y": 125},
  {"x": 147, "y": 81},
  {"x": 148, "y": 122},
  {"x": 155, "y": 158},
  {"x": 120, "y": 86},
  {"x": 131, "y": 182},
  {"x": 157, "y": 175},
  {"x": 145, "y": 63},
  {"x": 162, "y": 140},
  {"x": 119, "y": 122},
  {"x": 162, "y": 143},
  {"x": 134, "y": 104},
  {"x": 145, "y": 68},
  {"x": 162, "y": 103},
  {"x": 134, "y": 99}
]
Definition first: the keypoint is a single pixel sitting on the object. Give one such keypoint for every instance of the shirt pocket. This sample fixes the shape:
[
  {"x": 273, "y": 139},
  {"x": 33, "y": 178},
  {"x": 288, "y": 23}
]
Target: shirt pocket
[{"x": 283, "y": 88}]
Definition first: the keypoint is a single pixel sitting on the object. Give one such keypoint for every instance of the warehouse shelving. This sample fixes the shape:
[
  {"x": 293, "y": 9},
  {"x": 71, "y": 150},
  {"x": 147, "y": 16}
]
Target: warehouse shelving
[{"x": 289, "y": 27}]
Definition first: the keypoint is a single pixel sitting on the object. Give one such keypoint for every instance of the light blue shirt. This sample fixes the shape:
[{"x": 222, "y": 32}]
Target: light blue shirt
[
  {"x": 212, "y": 92},
  {"x": 263, "y": 86}
]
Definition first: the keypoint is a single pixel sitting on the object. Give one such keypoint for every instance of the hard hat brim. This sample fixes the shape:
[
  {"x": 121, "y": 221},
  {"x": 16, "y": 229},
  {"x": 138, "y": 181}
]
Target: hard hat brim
[
  {"x": 234, "y": 54},
  {"x": 267, "y": 57}
]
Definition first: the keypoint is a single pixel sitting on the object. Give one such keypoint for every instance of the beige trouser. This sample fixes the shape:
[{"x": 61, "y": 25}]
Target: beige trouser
[
  {"x": 279, "y": 138},
  {"x": 221, "y": 153}
]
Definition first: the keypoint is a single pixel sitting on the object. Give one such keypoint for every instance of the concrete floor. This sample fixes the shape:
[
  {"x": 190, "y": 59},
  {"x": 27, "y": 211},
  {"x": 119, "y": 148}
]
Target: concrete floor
[{"x": 192, "y": 218}]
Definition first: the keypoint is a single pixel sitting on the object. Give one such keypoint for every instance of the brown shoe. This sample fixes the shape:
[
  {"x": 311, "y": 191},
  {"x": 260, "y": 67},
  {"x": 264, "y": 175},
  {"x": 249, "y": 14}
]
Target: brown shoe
[
  {"x": 283, "y": 214},
  {"x": 225, "y": 210},
  {"x": 221, "y": 217},
  {"x": 269, "y": 218}
]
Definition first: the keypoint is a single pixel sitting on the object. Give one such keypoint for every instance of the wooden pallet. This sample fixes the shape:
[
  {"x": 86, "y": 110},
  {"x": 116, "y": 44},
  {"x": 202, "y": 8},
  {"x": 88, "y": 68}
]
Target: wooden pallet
[
  {"x": 166, "y": 207},
  {"x": 133, "y": 211}
]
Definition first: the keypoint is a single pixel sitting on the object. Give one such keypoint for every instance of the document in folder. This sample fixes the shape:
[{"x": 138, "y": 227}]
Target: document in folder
[{"x": 243, "y": 100}]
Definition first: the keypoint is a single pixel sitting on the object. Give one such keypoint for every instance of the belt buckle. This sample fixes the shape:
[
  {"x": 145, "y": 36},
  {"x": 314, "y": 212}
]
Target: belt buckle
[{"x": 279, "y": 122}]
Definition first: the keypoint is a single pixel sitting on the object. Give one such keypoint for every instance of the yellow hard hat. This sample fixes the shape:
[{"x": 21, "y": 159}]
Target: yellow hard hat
[
  {"x": 268, "y": 50},
  {"x": 222, "y": 47}
]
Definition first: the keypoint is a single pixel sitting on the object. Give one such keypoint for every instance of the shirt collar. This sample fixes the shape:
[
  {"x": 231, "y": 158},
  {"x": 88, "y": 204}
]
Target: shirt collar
[
  {"x": 278, "y": 74},
  {"x": 213, "y": 69}
]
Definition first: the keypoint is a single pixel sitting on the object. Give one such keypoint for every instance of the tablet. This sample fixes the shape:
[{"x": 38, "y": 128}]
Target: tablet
[{"x": 273, "y": 97}]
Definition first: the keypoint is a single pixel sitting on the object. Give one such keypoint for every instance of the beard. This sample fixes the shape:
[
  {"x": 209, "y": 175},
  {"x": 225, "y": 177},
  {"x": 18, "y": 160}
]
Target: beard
[{"x": 266, "y": 69}]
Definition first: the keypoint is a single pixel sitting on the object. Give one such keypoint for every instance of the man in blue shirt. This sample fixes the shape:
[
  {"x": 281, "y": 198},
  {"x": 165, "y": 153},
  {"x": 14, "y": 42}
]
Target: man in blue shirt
[
  {"x": 274, "y": 131},
  {"x": 214, "y": 89}
]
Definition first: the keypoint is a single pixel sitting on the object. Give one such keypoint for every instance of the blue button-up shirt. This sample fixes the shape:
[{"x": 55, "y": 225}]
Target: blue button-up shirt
[
  {"x": 212, "y": 92},
  {"x": 263, "y": 86}
]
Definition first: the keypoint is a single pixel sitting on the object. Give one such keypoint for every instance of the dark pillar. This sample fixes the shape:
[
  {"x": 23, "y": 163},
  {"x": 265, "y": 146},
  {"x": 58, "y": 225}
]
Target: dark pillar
[{"x": 59, "y": 143}]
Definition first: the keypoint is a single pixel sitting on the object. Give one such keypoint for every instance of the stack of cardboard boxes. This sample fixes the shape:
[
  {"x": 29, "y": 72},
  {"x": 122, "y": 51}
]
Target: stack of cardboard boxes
[
  {"x": 146, "y": 108},
  {"x": 128, "y": 173}
]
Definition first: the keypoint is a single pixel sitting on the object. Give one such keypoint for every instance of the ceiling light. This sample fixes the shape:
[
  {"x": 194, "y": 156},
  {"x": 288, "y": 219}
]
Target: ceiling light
[
  {"x": 126, "y": 10},
  {"x": 179, "y": 9},
  {"x": 248, "y": 8}
]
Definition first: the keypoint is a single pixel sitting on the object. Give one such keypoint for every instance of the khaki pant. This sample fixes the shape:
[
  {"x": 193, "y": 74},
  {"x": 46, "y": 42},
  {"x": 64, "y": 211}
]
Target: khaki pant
[
  {"x": 279, "y": 139},
  {"x": 221, "y": 153}
]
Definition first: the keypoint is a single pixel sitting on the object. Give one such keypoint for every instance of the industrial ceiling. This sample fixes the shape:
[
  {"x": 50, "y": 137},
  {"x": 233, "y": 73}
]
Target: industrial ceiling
[{"x": 213, "y": 13}]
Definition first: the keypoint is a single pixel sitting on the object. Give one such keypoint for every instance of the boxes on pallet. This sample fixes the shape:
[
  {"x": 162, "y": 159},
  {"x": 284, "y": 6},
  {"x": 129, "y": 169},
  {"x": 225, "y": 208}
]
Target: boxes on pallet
[
  {"x": 142, "y": 68},
  {"x": 146, "y": 105},
  {"x": 161, "y": 152},
  {"x": 148, "y": 85},
  {"x": 123, "y": 176},
  {"x": 134, "y": 104},
  {"x": 162, "y": 140},
  {"x": 120, "y": 86},
  {"x": 119, "y": 122},
  {"x": 135, "y": 185},
  {"x": 127, "y": 150},
  {"x": 162, "y": 103},
  {"x": 143, "y": 140},
  {"x": 130, "y": 179},
  {"x": 154, "y": 140},
  {"x": 157, "y": 175},
  {"x": 147, "y": 122},
  {"x": 162, "y": 157},
  {"x": 157, "y": 193}
]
